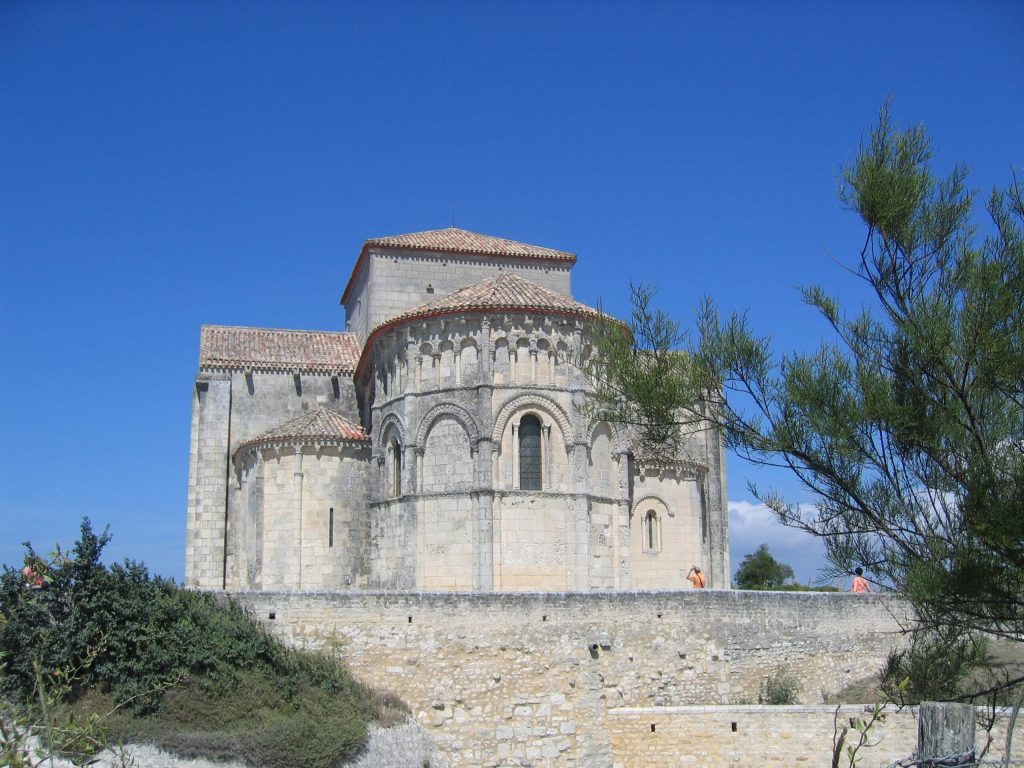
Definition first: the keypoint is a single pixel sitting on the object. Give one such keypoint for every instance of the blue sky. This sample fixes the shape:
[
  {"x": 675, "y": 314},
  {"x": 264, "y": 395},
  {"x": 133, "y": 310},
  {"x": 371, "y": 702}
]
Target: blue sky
[{"x": 169, "y": 164}]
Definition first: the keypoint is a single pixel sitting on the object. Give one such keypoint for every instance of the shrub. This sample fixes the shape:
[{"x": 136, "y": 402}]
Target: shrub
[
  {"x": 128, "y": 636},
  {"x": 781, "y": 687}
]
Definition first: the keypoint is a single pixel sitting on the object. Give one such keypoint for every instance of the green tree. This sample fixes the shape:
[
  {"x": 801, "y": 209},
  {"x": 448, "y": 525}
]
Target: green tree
[
  {"x": 759, "y": 570},
  {"x": 908, "y": 426}
]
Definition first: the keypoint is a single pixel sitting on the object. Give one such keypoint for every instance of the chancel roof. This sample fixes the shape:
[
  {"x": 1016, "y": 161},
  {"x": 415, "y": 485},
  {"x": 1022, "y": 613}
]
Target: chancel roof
[
  {"x": 504, "y": 292},
  {"x": 454, "y": 240},
  {"x": 324, "y": 426},
  {"x": 269, "y": 349}
]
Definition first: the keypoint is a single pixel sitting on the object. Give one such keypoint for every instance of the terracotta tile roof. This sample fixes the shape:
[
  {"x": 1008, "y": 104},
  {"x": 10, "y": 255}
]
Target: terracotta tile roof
[
  {"x": 504, "y": 292},
  {"x": 323, "y": 426},
  {"x": 453, "y": 240},
  {"x": 270, "y": 349}
]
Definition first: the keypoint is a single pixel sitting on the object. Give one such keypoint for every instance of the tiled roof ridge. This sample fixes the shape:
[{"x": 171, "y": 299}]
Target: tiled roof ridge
[
  {"x": 324, "y": 425},
  {"x": 493, "y": 294},
  {"x": 231, "y": 347},
  {"x": 486, "y": 294},
  {"x": 273, "y": 330},
  {"x": 461, "y": 241},
  {"x": 457, "y": 240}
]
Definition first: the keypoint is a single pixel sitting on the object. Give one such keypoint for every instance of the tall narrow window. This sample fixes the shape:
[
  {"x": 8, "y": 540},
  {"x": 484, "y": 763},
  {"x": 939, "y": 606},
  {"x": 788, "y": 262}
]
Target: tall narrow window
[
  {"x": 330, "y": 528},
  {"x": 529, "y": 454},
  {"x": 652, "y": 539},
  {"x": 396, "y": 468}
]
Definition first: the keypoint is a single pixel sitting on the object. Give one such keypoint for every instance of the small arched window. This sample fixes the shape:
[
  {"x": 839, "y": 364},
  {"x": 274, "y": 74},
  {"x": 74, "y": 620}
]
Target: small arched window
[
  {"x": 530, "y": 478},
  {"x": 652, "y": 532}
]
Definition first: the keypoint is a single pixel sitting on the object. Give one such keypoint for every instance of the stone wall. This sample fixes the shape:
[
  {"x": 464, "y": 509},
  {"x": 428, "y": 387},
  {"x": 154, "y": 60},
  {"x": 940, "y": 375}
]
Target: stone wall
[
  {"x": 208, "y": 482},
  {"x": 303, "y": 520},
  {"x": 394, "y": 280},
  {"x": 546, "y": 679},
  {"x": 228, "y": 409},
  {"x": 769, "y": 736}
]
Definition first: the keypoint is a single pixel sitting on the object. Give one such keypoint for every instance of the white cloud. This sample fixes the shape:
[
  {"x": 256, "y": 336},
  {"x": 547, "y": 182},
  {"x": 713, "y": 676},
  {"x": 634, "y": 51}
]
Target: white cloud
[{"x": 753, "y": 524}]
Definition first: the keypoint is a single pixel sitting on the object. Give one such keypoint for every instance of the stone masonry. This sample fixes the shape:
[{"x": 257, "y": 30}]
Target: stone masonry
[
  {"x": 441, "y": 443},
  {"x": 576, "y": 679}
]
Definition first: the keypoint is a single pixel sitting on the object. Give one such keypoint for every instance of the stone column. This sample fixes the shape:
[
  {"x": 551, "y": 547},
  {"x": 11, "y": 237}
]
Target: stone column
[
  {"x": 409, "y": 515},
  {"x": 717, "y": 510},
  {"x": 488, "y": 529},
  {"x": 483, "y": 535},
  {"x": 579, "y": 522},
  {"x": 620, "y": 525}
]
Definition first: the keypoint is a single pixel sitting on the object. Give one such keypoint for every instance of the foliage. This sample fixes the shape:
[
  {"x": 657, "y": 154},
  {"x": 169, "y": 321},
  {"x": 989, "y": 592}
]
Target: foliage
[
  {"x": 113, "y": 637},
  {"x": 937, "y": 665},
  {"x": 759, "y": 570},
  {"x": 643, "y": 380},
  {"x": 907, "y": 429},
  {"x": 780, "y": 687}
]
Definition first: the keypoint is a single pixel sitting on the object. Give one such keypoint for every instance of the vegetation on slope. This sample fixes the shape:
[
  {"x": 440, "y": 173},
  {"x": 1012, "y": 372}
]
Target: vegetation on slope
[{"x": 177, "y": 668}]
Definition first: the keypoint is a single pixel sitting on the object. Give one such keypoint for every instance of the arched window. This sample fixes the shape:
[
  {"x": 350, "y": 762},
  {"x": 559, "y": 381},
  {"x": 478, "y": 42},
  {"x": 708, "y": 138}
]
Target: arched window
[
  {"x": 530, "y": 478},
  {"x": 652, "y": 532},
  {"x": 395, "y": 449}
]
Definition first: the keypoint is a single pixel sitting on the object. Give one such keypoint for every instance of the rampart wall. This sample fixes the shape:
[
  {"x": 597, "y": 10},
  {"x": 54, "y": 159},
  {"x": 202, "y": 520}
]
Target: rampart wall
[
  {"x": 741, "y": 736},
  {"x": 558, "y": 679}
]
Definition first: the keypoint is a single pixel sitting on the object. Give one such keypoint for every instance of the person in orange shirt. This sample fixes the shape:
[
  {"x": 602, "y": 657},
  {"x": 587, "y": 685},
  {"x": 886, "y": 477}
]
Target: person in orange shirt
[
  {"x": 696, "y": 578},
  {"x": 860, "y": 584}
]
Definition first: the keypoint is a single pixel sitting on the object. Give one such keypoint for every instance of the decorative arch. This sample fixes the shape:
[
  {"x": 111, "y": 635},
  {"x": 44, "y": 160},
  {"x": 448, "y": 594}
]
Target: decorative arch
[
  {"x": 603, "y": 481},
  {"x": 387, "y": 424},
  {"x": 468, "y": 365},
  {"x": 536, "y": 402},
  {"x": 457, "y": 412},
  {"x": 652, "y": 500}
]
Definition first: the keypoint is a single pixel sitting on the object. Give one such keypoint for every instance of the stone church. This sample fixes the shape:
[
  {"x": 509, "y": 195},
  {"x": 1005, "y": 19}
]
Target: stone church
[{"x": 438, "y": 443}]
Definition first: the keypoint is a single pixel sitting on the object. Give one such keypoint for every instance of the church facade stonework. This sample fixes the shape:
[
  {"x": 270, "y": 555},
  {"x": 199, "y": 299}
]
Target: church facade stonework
[{"x": 440, "y": 443}]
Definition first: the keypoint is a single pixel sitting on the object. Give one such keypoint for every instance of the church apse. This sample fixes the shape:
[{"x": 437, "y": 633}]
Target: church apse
[{"x": 438, "y": 445}]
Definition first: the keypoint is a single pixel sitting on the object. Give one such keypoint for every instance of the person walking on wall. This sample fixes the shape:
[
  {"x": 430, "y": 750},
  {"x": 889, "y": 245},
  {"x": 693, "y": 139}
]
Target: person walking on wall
[
  {"x": 860, "y": 584},
  {"x": 696, "y": 578}
]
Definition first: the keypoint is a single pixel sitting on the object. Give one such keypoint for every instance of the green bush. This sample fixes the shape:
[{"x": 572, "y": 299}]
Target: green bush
[
  {"x": 781, "y": 687},
  {"x": 239, "y": 692}
]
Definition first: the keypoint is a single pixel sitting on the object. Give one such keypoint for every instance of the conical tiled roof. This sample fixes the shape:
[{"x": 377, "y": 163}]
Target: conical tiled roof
[
  {"x": 324, "y": 426},
  {"x": 453, "y": 240},
  {"x": 228, "y": 347},
  {"x": 504, "y": 292}
]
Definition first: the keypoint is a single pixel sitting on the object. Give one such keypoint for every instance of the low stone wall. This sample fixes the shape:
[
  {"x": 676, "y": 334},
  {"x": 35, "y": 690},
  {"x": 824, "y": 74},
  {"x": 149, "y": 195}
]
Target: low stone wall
[
  {"x": 531, "y": 678},
  {"x": 768, "y": 736}
]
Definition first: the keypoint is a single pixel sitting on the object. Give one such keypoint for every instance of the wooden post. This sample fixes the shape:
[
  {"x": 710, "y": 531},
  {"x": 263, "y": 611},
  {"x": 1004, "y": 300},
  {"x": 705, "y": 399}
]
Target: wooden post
[{"x": 945, "y": 730}]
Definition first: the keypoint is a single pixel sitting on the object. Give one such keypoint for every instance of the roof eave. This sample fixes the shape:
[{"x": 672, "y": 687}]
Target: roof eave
[
  {"x": 221, "y": 366},
  {"x": 510, "y": 310},
  {"x": 261, "y": 443}
]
